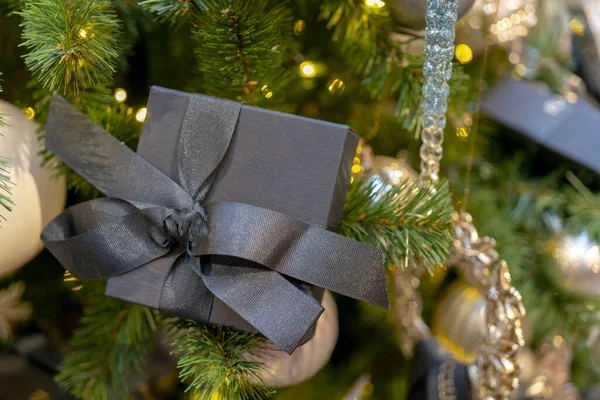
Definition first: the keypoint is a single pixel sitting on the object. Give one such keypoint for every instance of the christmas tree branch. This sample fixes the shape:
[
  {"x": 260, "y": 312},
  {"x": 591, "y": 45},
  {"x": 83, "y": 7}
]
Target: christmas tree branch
[
  {"x": 174, "y": 11},
  {"x": 214, "y": 362},
  {"x": 240, "y": 49},
  {"x": 110, "y": 349},
  {"x": 71, "y": 43},
  {"x": 410, "y": 223}
]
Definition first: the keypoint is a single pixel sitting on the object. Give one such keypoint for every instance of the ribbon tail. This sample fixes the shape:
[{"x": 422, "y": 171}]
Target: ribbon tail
[
  {"x": 105, "y": 162},
  {"x": 105, "y": 237},
  {"x": 296, "y": 249},
  {"x": 278, "y": 309}
]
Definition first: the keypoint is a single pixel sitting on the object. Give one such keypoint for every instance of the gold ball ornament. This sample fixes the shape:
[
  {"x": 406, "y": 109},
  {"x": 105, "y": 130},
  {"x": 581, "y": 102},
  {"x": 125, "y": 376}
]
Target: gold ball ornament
[
  {"x": 459, "y": 321},
  {"x": 411, "y": 13},
  {"x": 37, "y": 194},
  {"x": 282, "y": 369}
]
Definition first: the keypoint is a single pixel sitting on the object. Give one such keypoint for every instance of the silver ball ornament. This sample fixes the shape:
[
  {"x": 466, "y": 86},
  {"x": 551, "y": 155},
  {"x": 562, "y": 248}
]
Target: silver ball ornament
[
  {"x": 577, "y": 264},
  {"x": 411, "y": 13},
  {"x": 282, "y": 369}
]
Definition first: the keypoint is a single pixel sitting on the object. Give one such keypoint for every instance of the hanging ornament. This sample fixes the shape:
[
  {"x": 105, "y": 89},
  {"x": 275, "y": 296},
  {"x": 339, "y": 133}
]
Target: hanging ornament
[
  {"x": 411, "y": 13},
  {"x": 459, "y": 321},
  {"x": 389, "y": 171},
  {"x": 577, "y": 263},
  {"x": 282, "y": 369},
  {"x": 37, "y": 194}
]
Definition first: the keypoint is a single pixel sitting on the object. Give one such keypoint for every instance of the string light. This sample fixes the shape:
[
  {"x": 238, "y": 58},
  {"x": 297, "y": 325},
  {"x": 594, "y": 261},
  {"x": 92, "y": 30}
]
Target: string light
[
  {"x": 374, "y": 3},
  {"x": 140, "y": 115},
  {"x": 266, "y": 92},
  {"x": 463, "y": 53},
  {"x": 299, "y": 26},
  {"x": 129, "y": 111},
  {"x": 29, "y": 112},
  {"x": 336, "y": 86},
  {"x": 120, "y": 95},
  {"x": 308, "y": 69},
  {"x": 83, "y": 33}
]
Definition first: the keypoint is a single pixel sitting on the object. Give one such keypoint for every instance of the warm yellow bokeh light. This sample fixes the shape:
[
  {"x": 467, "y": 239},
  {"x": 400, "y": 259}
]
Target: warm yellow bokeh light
[
  {"x": 308, "y": 69},
  {"x": 83, "y": 33},
  {"x": 336, "y": 86},
  {"x": 375, "y": 3},
  {"x": 299, "y": 26},
  {"x": 463, "y": 53},
  {"x": 577, "y": 27},
  {"x": 29, "y": 112},
  {"x": 120, "y": 95},
  {"x": 141, "y": 114}
]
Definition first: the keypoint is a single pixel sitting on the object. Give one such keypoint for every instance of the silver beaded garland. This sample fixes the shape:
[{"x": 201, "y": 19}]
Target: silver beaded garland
[{"x": 439, "y": 49}]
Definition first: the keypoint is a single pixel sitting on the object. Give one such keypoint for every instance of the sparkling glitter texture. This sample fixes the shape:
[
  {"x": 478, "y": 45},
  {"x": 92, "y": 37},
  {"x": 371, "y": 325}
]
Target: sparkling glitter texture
[{"x": 439, "y": 50}]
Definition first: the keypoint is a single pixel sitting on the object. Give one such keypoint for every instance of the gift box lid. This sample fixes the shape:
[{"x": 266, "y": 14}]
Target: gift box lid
[{"x": 295, "y": 165}]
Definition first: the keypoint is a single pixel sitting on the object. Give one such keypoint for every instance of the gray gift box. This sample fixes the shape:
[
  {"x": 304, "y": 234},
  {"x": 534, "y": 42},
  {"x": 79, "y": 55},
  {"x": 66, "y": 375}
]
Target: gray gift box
[
  {"x": 298, "y": 166},
  {"x": 532, "y": 110}
]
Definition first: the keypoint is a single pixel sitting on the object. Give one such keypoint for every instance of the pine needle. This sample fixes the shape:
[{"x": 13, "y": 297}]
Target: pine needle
[
  {"x": 71, "y": 43},
  {"x": 214, "y": 362},
  {"x": 408, "y": 223}
]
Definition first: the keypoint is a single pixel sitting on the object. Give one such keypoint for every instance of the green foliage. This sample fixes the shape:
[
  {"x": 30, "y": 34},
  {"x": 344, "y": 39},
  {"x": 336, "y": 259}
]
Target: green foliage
[
  {"x": 214, "y": 361},
  {"x": 410, "y": 223},
  {"x": 77, "y": 47},
  {"x": 174, "y": 11},
  {"x": 512, "y": 210},
  {"x": 240, "y": 47},
  {"x": 110, "y": 349}
]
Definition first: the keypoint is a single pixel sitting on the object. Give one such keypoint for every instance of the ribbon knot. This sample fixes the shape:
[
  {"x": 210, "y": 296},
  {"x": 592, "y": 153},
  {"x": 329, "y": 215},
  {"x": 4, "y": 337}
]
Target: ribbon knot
[{"x": 186, "y": 226}]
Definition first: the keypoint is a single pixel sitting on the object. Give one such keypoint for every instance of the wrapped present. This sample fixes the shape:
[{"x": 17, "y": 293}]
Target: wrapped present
[{"x": 224, "y": 215}]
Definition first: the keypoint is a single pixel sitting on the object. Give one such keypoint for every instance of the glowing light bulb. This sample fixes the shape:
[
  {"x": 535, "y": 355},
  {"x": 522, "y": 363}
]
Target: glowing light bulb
[
  {"x": 464, "y": 54},
  {"x": 120, "y": 95},
  {"x": 308, "y": 69},
  {"x": 577, "y": 27},
  {"x": 374, "y": 3},
  {"x": 83, "y": 33},
  {"x": 140, "y": 115}
]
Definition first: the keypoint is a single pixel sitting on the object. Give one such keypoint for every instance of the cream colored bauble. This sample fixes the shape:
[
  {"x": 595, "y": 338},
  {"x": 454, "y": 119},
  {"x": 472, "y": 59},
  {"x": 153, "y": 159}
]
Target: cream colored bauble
[
  {"x": 37, "y": 195},
  {"x": 282, "y": 369}
]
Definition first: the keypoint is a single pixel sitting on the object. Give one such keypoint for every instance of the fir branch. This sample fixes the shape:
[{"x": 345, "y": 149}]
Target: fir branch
[
  {"x": 408, "y": 223},
  {"x": 174, "y": 11},
  {"x": 240, "y": 49},
  {"x": 70, "y": 42},
  {"x": 214, "y": 362},
  {"x": 110, "y": 349}
]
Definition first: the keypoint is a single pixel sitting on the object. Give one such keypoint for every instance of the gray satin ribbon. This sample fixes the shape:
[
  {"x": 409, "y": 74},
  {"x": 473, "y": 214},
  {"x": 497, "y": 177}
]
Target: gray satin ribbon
[{"x": 247, "y": 256}]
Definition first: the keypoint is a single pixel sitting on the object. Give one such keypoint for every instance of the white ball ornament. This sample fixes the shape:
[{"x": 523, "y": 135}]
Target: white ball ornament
[
  {"x": 37, "y": 194},
  {"x": 282, "y": 369}
]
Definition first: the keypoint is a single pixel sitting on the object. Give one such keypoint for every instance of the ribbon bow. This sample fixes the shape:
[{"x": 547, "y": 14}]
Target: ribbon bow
[{"x": 247, "y": 256}]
